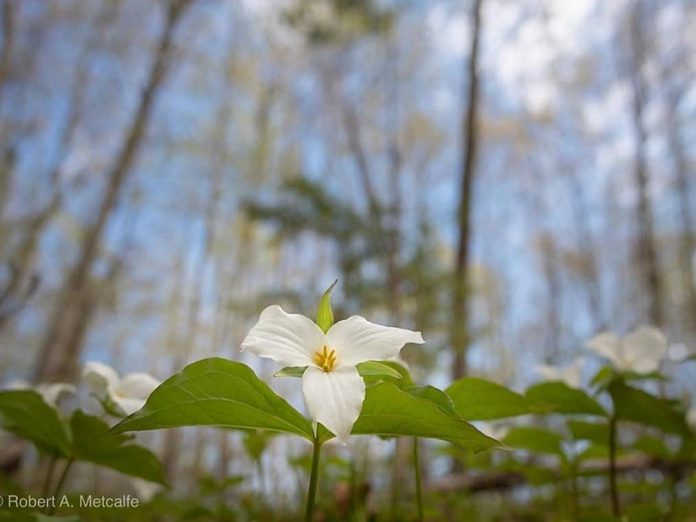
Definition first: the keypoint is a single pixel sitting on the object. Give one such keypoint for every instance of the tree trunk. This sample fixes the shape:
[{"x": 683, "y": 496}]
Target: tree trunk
[
  {"x": 459, "y": 329},
  {"x": 644, "y": 250},
  {"x": 63, "y": 343}
]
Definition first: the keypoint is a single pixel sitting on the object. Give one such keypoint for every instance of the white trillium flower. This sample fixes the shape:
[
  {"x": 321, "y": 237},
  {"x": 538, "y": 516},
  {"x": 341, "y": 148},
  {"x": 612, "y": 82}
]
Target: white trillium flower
[
  {"x": 51, "y": 393},
  {"x": 127, "y": 394},
  {"x": 571, "y": 375},
  {"x": 640, "y": 351},
  {"x": 333, "y": 389}
]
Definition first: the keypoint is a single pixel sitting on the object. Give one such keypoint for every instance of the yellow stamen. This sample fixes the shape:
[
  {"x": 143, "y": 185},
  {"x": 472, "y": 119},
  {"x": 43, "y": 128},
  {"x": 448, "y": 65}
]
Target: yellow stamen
[{"x": 326, "y": 359}]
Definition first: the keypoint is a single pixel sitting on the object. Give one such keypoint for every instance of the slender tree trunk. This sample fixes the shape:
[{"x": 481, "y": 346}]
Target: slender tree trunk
[
  {"x": 459, "y": 333},
  {"x": 7, "y": 12},
  {"x": 7, "y": 153},
  {"x": 645, "y": 250},
  {"x": 687, "y": 243},
  {"x": 63, "y": 343}
]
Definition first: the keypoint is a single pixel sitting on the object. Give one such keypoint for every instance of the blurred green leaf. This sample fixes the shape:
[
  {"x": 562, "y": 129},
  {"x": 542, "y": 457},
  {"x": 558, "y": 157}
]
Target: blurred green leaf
[
  {"x": 479, "y": 399},
  {"x": 599, "y": 517},
  {"x": 35, "y": 517},
  {"x": 112, "y": 451},
  {"x": 593, "y": 431},
  {"x": 24, "y": 413},
  {"x": 558, "y": 397},
  {"x": 217, "y": 392},
  {"x": 536, "y": 440},
  {"x": 652, "y": 446},
  {"x": 325, "y": 317},
  {"x": 639, "y": 406},
  {"x": 645, "y": 513}
]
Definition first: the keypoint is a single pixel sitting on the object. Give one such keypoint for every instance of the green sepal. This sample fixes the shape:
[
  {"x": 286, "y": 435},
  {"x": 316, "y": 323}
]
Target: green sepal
[{"x": 325, "y": 317}]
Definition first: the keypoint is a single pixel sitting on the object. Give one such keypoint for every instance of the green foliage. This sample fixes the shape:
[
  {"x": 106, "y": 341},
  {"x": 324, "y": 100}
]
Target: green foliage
[
  {"x": 596, "y": 432},
  {"x": 558, "y": 397},
  {"x": 334, "y": 22},
  {"x": 25, "y": 414},
  {"x": 82, "y": 439},
  {"x": 90, "y": 444},
  {"x": 217, "y": 392},
  {"x": 389, "y": 410},
  {"x": 478, "y": 399},
  {"x": 35, "y": 517},
  {"x": 227, "y": 394},
  {"x": 536, "y": 440},
  {"x": 639, "y": 406}
]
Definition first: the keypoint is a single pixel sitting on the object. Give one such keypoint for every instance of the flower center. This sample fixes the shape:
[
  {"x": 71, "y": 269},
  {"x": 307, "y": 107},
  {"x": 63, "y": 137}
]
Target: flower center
[{"x": 326, "y": 359}]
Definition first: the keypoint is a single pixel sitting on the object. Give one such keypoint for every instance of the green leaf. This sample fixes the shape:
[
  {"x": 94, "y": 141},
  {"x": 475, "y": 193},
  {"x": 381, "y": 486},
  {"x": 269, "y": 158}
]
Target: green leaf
[
  {"x": 599, "y": 517},
  {"x": 593, "y": 452},
  {"x": 377, "y": 369},
  {"x": 112, "y": 451},
  {"x": 558, "y": 397},
  {"x": 325, "y": 317},
  {"x": 217, "y": 392},
  {"x": 434, "y": 395},
  {"x": 24, "y": 413},
  {"x": 603, "y": 377},
  {"x": 14, "y": 516},
  {"x": 593, "y": 431},
  {"x": 366, "y": 369},
  {"x": 291, "y": 371},
  {"x": 652, "y": 446},
  {"x": 479, "y": 399},
  {"x": 645, "y": 513},
  {"x": 391, "y": 411},
  {"x": 536, "y": 440},
  {"x": 639, "y": 406}
]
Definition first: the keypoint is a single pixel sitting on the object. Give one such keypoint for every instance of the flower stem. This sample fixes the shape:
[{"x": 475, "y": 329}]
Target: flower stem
[
  {"x": 613, "y": 490},
  {"x": 59, "y": 486},
  {"x": 417, "y": 472},
  {"x": 312, "y": 492},
  {"x": 49, "y": 476}
]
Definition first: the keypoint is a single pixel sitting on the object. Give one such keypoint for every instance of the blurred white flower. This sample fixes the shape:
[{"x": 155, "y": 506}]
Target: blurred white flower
[
  {"x": 144, "y": 490},
  {"x": 333, "y": 389},
  {"x": 124, "y": 395},
  {"x": 494, "y": 431},
  {"x": 571, "y": 375},
  {"x": 691, "y": 419},
  {"x": 640, "y": 351},
  {"x": 51, "y": 393}
]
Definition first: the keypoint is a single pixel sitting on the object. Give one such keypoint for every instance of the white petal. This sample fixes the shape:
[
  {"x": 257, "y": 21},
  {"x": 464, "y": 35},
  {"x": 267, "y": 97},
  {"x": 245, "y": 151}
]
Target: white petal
[
  {"x": 608, "y": 346},
  {"x": 334, "y": 398},
  {"x": 691, "y": 419},
  {"x": 573, "y": 373},
  {"x": 644, "y": 348},
  {"x": 99, "y": 378},
  {"x": 289, "y": 339},
  {"x": 356, "y": 340},
  {"x": 128, "y": 405},
  {"x": 51, "y": 393},
  {"x": 138, "y": 385}
]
